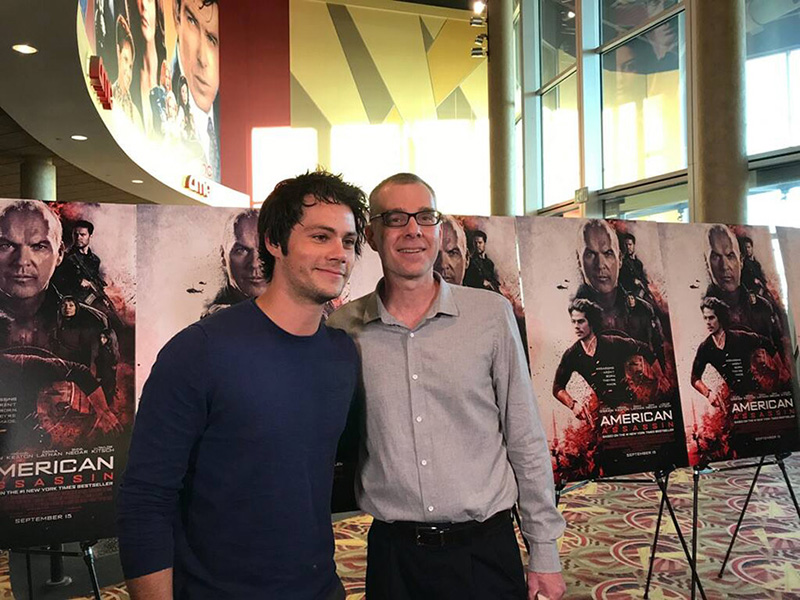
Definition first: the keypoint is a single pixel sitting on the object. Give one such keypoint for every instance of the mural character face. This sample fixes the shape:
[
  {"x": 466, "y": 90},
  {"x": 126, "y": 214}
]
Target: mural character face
[
  {"x": 600, "y": 260},
  {"x": 198, "y": 44},
  {"x": 724, "y": 261},
  {"x": 29, "y": 254}
]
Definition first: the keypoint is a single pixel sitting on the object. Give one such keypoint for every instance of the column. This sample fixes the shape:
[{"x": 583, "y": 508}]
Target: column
[
  {"x": 500, "y": 28},
  {"x": 37, "y": 178},
  {"x": 718, "y": 169}
]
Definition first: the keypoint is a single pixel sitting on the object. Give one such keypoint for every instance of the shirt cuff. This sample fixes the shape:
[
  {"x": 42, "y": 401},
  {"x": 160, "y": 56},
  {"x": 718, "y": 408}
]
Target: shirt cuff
[{"x": 544, "y": 558}]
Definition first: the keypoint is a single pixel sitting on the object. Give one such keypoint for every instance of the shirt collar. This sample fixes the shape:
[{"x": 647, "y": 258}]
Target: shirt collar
[{"x": 444, "y": 304}]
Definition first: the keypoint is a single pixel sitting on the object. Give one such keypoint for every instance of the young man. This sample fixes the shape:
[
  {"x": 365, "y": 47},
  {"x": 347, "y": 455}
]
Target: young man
[
  {"x": 452, "y": 439},
  {"x": 228, "y": 487}
]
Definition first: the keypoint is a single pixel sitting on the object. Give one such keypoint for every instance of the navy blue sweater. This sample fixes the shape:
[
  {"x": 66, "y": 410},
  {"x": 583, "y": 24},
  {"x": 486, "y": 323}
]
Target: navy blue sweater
[{"x": 231, "y": 463}]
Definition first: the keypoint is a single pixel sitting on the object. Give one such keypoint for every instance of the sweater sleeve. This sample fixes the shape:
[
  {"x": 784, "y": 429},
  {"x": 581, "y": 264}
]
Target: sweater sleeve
[{"x": 171, "y": 417}]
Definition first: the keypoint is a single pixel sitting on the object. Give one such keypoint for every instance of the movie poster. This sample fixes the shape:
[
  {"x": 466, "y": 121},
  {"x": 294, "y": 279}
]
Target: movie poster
[
  {"x": 67, "y": 312},
  {"x": 789, "y": 239},
  {"x": 732, "y": 341},
  {"x": 481, "y": 252},
  {"x": 600, "y": 346},
  {"x": 162, "y": 60}
]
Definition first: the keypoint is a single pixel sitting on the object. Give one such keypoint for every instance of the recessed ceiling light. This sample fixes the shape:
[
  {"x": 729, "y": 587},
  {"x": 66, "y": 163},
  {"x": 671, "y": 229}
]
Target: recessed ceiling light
[
  {"x": 79, "y": 138},
  {"x": 570, "y": 15},
  {"x": 24, "y": 49},
  {"x": 136, "y": 181},
  {"x": 478, "y": 7}
]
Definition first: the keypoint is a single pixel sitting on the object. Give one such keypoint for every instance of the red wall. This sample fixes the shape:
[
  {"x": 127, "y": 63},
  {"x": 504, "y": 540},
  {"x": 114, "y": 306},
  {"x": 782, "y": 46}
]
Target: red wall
[{"x": 254, "y": 81}]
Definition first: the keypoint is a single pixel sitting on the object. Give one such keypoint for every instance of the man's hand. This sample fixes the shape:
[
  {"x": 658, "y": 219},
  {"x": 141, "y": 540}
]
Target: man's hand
[{"x": 546, "y": 586}]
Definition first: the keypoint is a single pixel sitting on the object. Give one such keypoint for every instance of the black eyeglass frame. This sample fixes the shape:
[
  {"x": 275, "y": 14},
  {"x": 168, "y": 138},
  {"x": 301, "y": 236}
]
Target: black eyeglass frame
[{"x": 382, "y": 217}]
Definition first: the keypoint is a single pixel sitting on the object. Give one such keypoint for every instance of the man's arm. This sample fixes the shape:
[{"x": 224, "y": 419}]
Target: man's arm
[
  {"x": 526, "y": 445},
  {"x": 171, "y": 418},
  {"x": 155, "y": 586}
]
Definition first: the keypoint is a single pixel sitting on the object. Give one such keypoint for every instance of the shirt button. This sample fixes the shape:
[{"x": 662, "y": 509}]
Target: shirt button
[
  {"x": 430, "y": 509},
  {"x": 415, "y": 377},
  {"x": 419, "y": 419},
  {"x": 423, "y": 462}
]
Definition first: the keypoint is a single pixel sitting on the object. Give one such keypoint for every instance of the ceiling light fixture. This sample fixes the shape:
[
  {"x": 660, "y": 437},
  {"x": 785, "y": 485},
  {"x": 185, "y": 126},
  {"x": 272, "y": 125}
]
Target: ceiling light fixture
[
  {"x": 570, "y": 15},
  {"x": 477, "y": 21},
  {"x": 478, "y": 7},
  {"x": 136, "y": 181},
  {"x": 24, "y": 49},
  {"x": 78, "y": 137},
  {"x": 479, "y": 53}
]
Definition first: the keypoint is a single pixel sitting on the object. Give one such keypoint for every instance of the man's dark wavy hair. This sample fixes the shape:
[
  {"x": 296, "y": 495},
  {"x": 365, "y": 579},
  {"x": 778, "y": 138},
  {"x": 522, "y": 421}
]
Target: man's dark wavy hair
[{"x": 283, "y": 209}]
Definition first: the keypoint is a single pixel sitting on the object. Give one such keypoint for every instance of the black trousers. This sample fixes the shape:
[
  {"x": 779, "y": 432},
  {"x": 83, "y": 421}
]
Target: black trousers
[{"x": 486, "y": 567}]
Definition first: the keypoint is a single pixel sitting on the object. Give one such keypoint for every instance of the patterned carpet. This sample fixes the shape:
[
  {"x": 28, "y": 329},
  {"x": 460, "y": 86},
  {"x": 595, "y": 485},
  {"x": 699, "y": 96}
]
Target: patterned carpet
[{"x": 610, "y": 530}]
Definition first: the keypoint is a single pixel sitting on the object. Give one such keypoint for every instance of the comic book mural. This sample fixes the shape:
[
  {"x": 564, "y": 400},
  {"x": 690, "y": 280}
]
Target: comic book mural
[
  {"x": 162, "y": 59},
  {"x": 732, "y": 341},
  {"x": 600, "y": 346},
  {"x": 67, "y": 313},
  {"x": 481, "y": 252}
]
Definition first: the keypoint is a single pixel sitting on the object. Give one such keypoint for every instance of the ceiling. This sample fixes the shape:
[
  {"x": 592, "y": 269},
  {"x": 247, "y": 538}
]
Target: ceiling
[{"x": 72, "y": 184}]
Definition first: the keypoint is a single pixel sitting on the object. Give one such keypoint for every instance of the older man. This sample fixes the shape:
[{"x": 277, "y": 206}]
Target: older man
[
  {"x": 453, "y": 259},
  {"x": 239, "y": 253},
  {"x": 600, "y": 262},
  {"x": 747, "y": 309},
  {"x": 452, "y": 440}
]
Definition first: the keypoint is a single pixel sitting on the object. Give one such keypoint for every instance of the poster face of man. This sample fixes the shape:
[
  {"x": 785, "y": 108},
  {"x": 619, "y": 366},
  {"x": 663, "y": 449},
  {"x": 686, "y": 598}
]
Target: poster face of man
[
  {"x": 81, "y": 237},
  {"x": 724, "y": 260},
  {"x": 198, "y": 44},
  {"x": 600, "y": 260},
  {"x": 241, "y": 257},
  {"x": 29, "y": 253},
  {"x": 453, "y": 260}
]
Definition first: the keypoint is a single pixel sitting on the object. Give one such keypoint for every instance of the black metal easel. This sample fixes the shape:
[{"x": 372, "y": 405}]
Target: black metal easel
[
  {"x": 661, "y": 479},
  {"x": 87, "y": 553}
]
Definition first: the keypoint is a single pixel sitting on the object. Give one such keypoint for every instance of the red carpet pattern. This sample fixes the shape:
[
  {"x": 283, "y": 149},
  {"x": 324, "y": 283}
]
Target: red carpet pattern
[{"x": 606, "y": 548}]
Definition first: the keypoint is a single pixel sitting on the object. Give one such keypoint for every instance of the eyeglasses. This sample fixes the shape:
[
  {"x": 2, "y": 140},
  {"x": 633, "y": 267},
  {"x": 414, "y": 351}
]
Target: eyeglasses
[{"x": 400, "y": 218}]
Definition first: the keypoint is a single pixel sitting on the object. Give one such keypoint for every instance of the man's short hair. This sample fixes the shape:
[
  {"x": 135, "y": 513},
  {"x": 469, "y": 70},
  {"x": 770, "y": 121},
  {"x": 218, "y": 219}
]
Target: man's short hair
[
  {"x": 124, "y": 34},
  {"x": 480, "y": 234},
  {"x": 628, "y": 236},
  {"x": 721, "y": 310},
  {"x": 724, "y": 230},
  {"x": 37, "y": 206},
  {"x": 204, "y": 3},
  {"x": 399, "y": 179},
  {"x": 284, "y": 206},
  {"x": 743, "y": 241},
  {"x": 592, "y": 311},
  {"x": 85, "y": 225}
]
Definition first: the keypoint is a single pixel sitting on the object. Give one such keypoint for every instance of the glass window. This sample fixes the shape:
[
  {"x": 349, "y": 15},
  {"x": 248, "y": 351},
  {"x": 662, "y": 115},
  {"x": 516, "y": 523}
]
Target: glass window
[
  {"x": 773, "y": 75},
  {"x": 668, "y": 205},
  {"x": 644, "y": 106},
  {"x": 560, "y": 151},
  {"x": 780, "y": 206},
  {"x": 558, "y": 37},
  {"x": 620, "y": 16}
]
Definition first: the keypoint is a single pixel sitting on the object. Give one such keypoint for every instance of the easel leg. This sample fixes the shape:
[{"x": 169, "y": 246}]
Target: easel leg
[
  {"x": 88, "y": 558},
  {"x": 695, "y": 578},
  {"x": 655, "y": 539},
  {"x": 695, "y": 504},
  {"x": 29, "y": 573},
  {"x": 741, "y": 516},
  {"x": 779, "y": 460}
]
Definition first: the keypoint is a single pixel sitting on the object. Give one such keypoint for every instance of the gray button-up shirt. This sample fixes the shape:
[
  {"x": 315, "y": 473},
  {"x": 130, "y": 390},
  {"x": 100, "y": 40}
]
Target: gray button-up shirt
[{"x": 452, "y": 429}]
